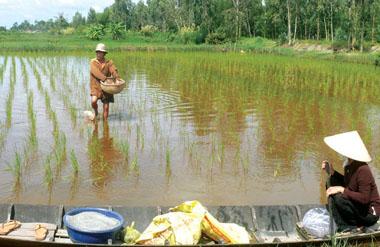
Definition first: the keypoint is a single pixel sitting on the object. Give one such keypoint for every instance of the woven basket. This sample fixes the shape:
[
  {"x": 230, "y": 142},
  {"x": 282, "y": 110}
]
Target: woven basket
[{"x": 112, "y": 86}]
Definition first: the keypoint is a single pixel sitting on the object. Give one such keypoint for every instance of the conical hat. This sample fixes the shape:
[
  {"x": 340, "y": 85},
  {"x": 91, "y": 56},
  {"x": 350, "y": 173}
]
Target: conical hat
[{"x": 349, "y": 144}]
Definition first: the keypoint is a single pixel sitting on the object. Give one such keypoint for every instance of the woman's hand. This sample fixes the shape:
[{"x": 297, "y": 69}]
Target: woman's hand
[
  {"x": 324, "y": 163},
  {"x": 334, "y": 190}
]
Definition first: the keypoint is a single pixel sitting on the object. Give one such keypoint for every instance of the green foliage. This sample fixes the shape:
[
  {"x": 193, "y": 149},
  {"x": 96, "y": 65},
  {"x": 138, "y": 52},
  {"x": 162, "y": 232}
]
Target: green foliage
[
  {"x": 91, "y": 17},
  {"x": 340, "y": 34},
  {"x": 216, "y": 38},
  {"x": 377, "y": 60},
  {"x": 95, "y": 32},
  {"x": 282, "y": 38},
  {"x": 188, "y": 35},
  {"x": 67, "y": 31},
  {"x": 116, "y": 30},
  {"x": 148, "y": 30}
]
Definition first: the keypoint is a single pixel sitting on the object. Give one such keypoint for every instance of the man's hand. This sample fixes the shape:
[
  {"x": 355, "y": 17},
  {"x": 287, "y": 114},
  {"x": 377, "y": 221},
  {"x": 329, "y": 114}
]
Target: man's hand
[{"x": 334, "y": 190}]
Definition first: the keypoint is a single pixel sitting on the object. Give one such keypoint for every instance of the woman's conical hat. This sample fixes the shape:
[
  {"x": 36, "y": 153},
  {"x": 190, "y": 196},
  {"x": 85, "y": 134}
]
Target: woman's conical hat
[{"x": 349, "y": 144}]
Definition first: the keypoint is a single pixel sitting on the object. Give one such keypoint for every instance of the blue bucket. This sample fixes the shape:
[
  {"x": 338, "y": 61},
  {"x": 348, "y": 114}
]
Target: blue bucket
[{"x": 93, "y": 237}]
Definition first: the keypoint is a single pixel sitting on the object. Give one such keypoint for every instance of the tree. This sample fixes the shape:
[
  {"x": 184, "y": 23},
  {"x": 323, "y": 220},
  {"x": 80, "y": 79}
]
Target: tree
[
  {"x": 78, "y": 20},
  {"x": 14, "y": 27},
  {"x": 140, "y": 16},
  {"x": 61, "y": 22},
  {"x": 104, "y": 17},
  {"x": 25, "y": 26},
  {"x": 289, "y": 23},
  {"x": 122, "y": 12},
  {"x": 91, "y": 17}
]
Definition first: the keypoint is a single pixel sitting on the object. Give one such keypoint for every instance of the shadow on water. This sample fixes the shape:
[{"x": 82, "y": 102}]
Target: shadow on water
[{"x": 121, "y": 116}]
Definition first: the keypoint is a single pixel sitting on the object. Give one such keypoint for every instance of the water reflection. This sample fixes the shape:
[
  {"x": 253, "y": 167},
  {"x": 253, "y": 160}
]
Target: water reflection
[{"x": 103, "y": 154}]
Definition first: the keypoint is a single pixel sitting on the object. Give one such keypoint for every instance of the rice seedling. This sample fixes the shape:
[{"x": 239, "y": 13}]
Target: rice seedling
[
  {"x": 2, "y": 70},
  {"x": 38, "y": 78},
  {"x": 237, "y": 157},
  {"x": 167, "y": 156},
  {"x": 16, "y": 167},
  {"x": 52, "y": 83},
  {"x": 139, "y": 137},
  {"x": 32, "y": 121},
  {"x": 10, "y": 98},
  {"x": 73, "y": 114},
  {"x": 124, "y": 149},
  {"x": 74, "y": 161},
  {"x": 60, "y": 150},
  {"x": 24, "y": 74},
  {"x": 221, "y": 153},
  {"x": 135, "y": 165},
  {"x": 48, "y": 174},
  {"x": 245, "y": 163},
  {"x": 9, "y": 111},
  {"x": 94, "y": 148}
]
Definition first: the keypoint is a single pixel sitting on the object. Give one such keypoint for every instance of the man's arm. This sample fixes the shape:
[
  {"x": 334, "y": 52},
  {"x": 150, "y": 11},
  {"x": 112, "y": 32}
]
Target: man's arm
[
  {"x": 94, "y": 70},
  {"x": 113, "y": 70}
]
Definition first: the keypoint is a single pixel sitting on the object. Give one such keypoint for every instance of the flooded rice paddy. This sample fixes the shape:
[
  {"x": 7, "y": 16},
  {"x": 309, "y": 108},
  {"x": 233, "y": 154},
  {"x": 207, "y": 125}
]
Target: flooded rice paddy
[{"x": 225, "y": 129}]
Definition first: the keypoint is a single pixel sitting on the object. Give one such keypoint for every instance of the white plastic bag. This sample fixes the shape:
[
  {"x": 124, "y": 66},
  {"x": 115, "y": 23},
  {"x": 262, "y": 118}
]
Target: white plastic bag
[{"x": 316, "y": 222}]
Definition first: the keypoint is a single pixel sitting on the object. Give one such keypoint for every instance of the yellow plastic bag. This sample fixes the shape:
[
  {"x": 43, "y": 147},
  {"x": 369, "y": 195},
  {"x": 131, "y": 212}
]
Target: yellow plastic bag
[
  {"x": 220, "y": 232},
  {"x": 131, "y": 234},
  {"x": 175, "y": 228}
]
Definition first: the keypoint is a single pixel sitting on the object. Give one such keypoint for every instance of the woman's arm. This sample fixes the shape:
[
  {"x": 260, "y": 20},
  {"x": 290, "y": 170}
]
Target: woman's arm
[
  {"x": 364, "y": 179},
  {"x": 337, "y": 179}
]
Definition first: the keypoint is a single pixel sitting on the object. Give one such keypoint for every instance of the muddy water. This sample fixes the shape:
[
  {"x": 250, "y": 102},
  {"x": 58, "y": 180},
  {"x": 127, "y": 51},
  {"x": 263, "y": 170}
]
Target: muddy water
[{"x": 225, "y": 129}]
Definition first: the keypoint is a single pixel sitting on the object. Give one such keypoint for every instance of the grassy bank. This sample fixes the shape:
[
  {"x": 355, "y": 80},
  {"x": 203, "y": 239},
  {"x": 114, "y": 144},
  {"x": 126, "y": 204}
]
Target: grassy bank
[{"x": 162, "y": 41}]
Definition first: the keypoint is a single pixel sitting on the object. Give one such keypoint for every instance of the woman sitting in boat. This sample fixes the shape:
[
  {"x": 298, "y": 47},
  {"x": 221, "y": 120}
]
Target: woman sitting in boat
[{"x": 355, "y": 198}]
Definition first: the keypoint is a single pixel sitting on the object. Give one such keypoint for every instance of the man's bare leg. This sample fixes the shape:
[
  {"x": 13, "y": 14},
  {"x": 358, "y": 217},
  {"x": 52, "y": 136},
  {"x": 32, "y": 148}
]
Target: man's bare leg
[
  {"x": 94, "y": 104},
  {"x": 106, "y": 108}
]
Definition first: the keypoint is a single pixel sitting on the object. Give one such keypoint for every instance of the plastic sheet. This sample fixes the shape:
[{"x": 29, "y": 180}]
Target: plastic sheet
[{"x": 316, "y": 222}]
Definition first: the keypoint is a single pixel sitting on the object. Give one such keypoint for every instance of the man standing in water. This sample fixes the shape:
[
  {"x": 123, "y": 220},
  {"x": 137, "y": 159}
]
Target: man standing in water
[{"x": 100, "y": 69}]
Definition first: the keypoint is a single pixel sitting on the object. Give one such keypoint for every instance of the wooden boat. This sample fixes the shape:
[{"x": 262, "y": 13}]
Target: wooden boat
[{"x": 268, "y": 225}]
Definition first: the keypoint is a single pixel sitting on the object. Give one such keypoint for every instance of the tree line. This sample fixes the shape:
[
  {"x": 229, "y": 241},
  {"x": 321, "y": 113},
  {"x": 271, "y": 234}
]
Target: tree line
[{"x": 350, "y": 22}]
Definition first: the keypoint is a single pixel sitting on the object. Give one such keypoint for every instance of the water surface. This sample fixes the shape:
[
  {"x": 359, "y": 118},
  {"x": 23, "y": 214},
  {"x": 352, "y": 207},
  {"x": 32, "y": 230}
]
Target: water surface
[{"x": 225, "y": 129}]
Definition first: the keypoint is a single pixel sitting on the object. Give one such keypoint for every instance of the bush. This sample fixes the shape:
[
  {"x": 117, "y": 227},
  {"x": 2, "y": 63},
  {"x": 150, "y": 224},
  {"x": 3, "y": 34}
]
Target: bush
[
  {"x": 216, "y": 38},
  {"x": 377, "y": 60},
  {"x": 95, "y": 32},
  {"x": 188, "y": 35},
  {"x": 201, "y": 37},
  {"x": 340, "y": 34},
  {"x": 116, "y": 30},
  {"x": 282, "y": 38},
  {"x": 69, "y": 30},
  {"x": 339, "y": 45},
  {"x": 148, "y": 30}
]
